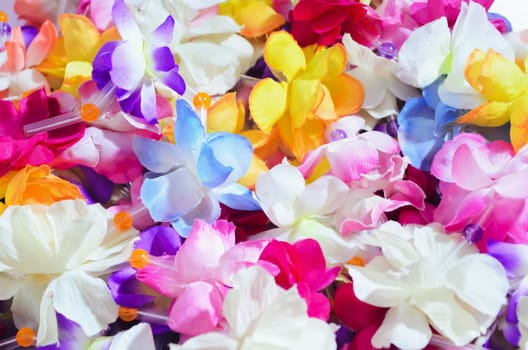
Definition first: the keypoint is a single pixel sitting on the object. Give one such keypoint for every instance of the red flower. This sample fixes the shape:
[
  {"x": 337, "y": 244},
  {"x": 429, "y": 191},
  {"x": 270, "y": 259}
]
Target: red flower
[{"x": 325, "y": 21}]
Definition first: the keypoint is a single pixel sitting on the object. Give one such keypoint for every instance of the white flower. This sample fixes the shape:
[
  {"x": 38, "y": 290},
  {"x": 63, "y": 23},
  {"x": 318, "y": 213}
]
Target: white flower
[
  {"x": 50, "y": 257},
  {"x": 427, "y": 277},
  {"x": 304, "y": 211},
  {"x": 262, "y": 315}
]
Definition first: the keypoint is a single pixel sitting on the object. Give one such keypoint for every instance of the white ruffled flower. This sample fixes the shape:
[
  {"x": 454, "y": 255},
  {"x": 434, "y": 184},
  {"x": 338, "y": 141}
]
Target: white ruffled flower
[
  {"x": 262, "y": 315},
  {"x": 50, "y": 260},
  {"x": 427, "y": 277}
]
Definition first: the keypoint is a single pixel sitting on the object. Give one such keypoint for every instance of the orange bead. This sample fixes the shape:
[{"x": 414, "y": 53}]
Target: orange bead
[
  {"x": 127, "y": 314},
  {"x": 25, "y": 337},
  {"x": 202, "y": 100},
  {"x": 89, "y": 112},
  {"x": 139, "y": 258},
  {"x": 123, "y": 221},
  {"x": 356, "y": 261},
  {"x": 3, "y": 17}
]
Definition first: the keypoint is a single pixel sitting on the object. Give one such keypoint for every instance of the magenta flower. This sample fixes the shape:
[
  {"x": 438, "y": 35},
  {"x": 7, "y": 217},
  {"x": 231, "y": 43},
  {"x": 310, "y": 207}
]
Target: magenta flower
[
  {"x": 482, "y": 183},
  {"x": 302, "y": 264}
]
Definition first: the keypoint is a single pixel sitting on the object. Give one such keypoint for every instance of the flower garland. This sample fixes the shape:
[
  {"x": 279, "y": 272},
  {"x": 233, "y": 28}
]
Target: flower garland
[{"x": 236, "y": 174}]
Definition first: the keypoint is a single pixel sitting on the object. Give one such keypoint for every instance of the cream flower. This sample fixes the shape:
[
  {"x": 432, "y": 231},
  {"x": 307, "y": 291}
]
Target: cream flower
[
  {"x": 427, "y": 277},
  {"x": 262, "y": 315},
  {"x": 50, "y": 260}
]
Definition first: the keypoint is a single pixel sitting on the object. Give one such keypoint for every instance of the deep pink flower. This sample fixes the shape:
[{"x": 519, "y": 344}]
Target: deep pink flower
[
  {"x": 325, "y": 21},
  {"x": 302, "y": 264},
  {"x": 424, "y": 12}
]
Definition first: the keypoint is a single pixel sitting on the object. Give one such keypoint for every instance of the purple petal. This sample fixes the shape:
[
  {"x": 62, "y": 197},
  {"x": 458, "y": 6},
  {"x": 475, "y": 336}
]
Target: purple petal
[
  {"x": 29, "y": 33},
  {"x": 102, "y": 64},
  {"x": 128, "y": 65},
  {"x": 174, "y": 80},
  {"x": 162, "y": 36},
  {"x": 513, "y": 256},
  {"x": 163, "y": 59},
  {"x": 125, "y": 289},
  {"x": 159, "y": 240},
  {"x": 125, "y": 23}
]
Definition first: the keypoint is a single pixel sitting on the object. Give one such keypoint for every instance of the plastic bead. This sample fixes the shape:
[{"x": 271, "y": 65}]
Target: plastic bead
[
  {"x": 139, "y": 259},
  {"x": 356, "y": 261},
  {"x": 473, "y": 233},
  {"x": 202, "y": 100},
  {"x": 338, "y": 134},
  {"x": 387, "y": 50},
  {"x": 89, "y": 112},
  {"x": 127, "y": 314},
  {"x": 123, "y": 221},
  {"x": 3, "y": 17},
  {"x": 25, "y": 337}
]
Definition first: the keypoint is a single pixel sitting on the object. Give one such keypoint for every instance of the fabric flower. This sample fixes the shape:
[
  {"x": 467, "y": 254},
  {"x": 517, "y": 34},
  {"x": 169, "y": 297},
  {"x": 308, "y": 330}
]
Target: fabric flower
[
  {"x": 312, "y": 91},
  {"x": 38, "y": 11},
  {"x": 186, "y": 181},
  {"x": 72, "y": 243},
  {"x": 448, "y": 52},
  {"x": 324, "y": 22},
  {"x": 480, "y": 183},
  {"x": 199, "y": 275},
  {"x": 302, "y": 264},
  {"x": 256, "y": 17},
  {"x": 260, "y": 314},
  {"x": 427, "y": 11},
  {"x": 505, "y": 87},
  {"x": 134, "y": 75},
  {"x": 428, "y": 278}
]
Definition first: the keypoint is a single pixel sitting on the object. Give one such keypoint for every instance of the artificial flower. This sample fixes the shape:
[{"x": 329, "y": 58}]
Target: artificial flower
[
  {"x": 199, "y": 275},
  {"x": 397, "y": 22},
  {"x": 18, "y": 62},
  {"x": 134, "y": 75},
  {"x": 38, "y": 11},
  {"x": 72, "y": 244},
  {"x": 260, "y": 314},
  {"x": 302, "y": 264},
  {"x": 447, "y": 54},
  {"x": 426, "y": 11},
  {"x": 70, "y": 61},
  {"x": 187, "y": 180},
  {"x": 429, "y": 278},
  {"x": 256, "y": 17},
  {"x": 480, "y": 183},
  {"x": 324, "y": 22},
  {"x": 312, "y": 91},
  {"x": 32, "y": 185},
  {"x": 304, "y": 211},
  {"x": 99, "y": 11},
  {"x": 505, "y": 88}
]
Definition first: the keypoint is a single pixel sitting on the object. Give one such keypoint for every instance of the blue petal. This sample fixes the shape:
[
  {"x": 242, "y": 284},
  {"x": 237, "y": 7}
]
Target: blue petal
[
  {"x": 445, "y": 117},
  {"x": 157, "y": 156},
  {"x": 211, "y": 172},
  {"x": 189, "y": 132},
  {"x": 430, "y": 92},
  {"x": 170, "y": 196},
  {"x": 232, "y": 150},
  {"x": 238, "y": 197},
  {"x": 208, "y": 210}
]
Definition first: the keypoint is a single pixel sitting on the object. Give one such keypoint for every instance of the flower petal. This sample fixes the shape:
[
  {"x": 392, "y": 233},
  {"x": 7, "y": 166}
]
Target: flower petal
[
  {"x": 157, "y": 156},
  {"x": 189, "y": 132},
  {"x": 279, "y": 45},
  {"x": 128, "y": 67},
  {"x": 125, "y": 23},
  {"x": 267, "y": 114}
]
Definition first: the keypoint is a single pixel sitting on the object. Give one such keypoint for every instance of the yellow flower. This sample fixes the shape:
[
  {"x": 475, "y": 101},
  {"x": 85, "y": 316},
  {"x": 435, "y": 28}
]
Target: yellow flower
[
  {"x": 505, "y": 86},
  {"x": 70, "y": 62},
  {"x": 35, "y": 184},
  {"x": 257, "y": 17},
  {"x": 312, "y": 91}
]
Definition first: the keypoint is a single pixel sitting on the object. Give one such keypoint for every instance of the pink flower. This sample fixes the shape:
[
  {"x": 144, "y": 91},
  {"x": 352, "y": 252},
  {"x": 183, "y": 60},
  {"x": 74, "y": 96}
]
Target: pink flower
[
  {"x": 324, "y": 22},
  {"x": 482, "y": 183},
  {"x": 198, "y": 276},
  {"x": 37, "y": 12},
  {"x": 302, "y": 264},
  {"x": 427, "y": 11},
  {"x": 99, "y": 11},
  {"x": 398, "y": 23}
]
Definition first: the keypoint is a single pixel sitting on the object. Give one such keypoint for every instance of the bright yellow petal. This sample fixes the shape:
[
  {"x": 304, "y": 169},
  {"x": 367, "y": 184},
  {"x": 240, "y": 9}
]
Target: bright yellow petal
[
  {"x": 501, "y": 79},
  {"x": 283, "y": 55},
  {"x": 267, "y": 103},
  {"x": 326, "y": 63},
  {"x": 226, "y": 114},
  {"x": 56, "y": 61},
  {"x": 519, "y": 122},
  {"x": 305, "y": 95},
  {"x": 258, "y": 18},
  {"x": 301, "y": 140},
  {"x": 256, "y": 168},
  {"x": 473, "y": 68},
  {"x": 4, "y": 182},
  {"x": 76, "y": 73},
  {"x": 322, "y": 168},
  {"x": 347, "y": 93},
  {"x": 81, "y": 37},
  {"x": 490, "y": 114}
]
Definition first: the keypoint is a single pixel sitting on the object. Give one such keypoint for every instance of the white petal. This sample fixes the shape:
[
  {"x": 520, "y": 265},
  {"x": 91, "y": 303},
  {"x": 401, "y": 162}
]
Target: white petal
[
  {"x": 317, "y": 335},
  {"x": 138, "y": 337},
  {"x": 419, "y": 67},
  {"x": 375, "y": 86},
  {"x": 10, "y": 285},
  {"x": 85, "y": 300},
  {"x": 208, "y": 341},
  {"x": 387, "y": 107},
  {"x": 322, "y": 197},
  {"x": 404, "y": 326}
]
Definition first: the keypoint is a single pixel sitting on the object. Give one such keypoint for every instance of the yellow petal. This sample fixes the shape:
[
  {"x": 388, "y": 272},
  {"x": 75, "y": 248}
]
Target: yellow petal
[
  {"x": 258, "y": 18},
  {"x": 322, "y": 168},
  {"x": 267, "y": 103},
  {"x": 490, "y": 114},
  {"x": 301, "y": 140},
  {"x": 81, "y": 37},
  {"x": 226, "y": 114},
  {"x": 256, "y": 168},
  {"x": 264, "y": 145},
  {"x": 305, "y": 95},
  {"x": 473, "y": 68},
  {"x": 76, "y": 73},
  {"x": 325, "y": 110},
  {"x": 4, "y": 182},
  {"x": 56, "y": 61},
  {"x": 326, "y": 63},
  {"x": 283, "y": 55},
  {"x": 519, "y": 122},
  {"x": 347, "y": 93}
]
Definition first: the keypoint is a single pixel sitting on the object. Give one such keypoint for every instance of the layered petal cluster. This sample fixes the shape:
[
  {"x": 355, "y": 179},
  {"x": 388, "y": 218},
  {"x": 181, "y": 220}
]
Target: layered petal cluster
[
  {"x": 426, "y": 11},
  {"x": 481, "y": 183},
  {"x": 262, "y": 315},
  {"x": 187, "y": 180},
  {"x": 504, "y": 86},
  {"x": 256, "y": 17},
  {"x": 72, "y": 244},
  {"x": 199, "y": 275},
  {"x": 312, "y": 91},
  {"x": 428, "y": 278}
]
